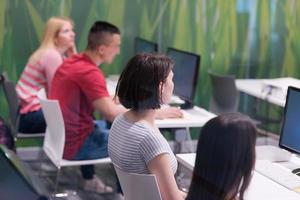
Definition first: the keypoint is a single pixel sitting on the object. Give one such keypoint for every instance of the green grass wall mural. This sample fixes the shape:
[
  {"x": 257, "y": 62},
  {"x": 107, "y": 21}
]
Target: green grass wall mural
[{"x": 247, "y": 38}]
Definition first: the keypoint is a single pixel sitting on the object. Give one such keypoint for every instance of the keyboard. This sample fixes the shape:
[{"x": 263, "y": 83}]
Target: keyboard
[{"x": 278, "y": 174}]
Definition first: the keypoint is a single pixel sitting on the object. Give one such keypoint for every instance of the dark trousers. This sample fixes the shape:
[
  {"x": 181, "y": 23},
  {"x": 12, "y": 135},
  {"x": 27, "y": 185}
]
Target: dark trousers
[{"x": 32, "y": 122}]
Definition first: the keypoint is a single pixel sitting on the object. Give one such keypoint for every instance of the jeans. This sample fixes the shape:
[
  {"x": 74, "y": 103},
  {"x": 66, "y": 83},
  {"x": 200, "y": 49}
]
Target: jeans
[
  {"x": 94, "y": 147},
  {"x": 32, "y": 122}
]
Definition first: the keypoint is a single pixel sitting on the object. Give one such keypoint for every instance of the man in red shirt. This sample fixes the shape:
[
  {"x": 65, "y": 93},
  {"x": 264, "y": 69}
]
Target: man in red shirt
[{"x": 80, "y": 87}]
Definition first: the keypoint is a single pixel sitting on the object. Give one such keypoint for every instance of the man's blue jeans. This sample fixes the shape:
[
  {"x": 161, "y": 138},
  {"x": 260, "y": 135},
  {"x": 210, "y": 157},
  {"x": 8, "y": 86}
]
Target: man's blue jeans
[{"x": 94, "y": 147}]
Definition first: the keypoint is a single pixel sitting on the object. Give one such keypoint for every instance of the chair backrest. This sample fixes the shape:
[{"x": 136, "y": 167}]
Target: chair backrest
[
  {"x": 54, "y": 140},
  {"x": 138, "y": 186},
  {"x": 225, "y": 96},
  {"x": 42, "y": 94},
  {"x": 12, "y": 101}
]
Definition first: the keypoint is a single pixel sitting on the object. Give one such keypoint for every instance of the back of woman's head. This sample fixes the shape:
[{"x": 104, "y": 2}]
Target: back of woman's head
[
  {"x": 225, "y": 158},
  {"x": 139, "y": 83}
]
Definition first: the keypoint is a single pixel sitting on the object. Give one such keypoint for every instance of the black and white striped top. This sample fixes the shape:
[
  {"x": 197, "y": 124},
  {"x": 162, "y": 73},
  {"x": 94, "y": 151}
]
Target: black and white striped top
[{"x": 132, "y": 145}]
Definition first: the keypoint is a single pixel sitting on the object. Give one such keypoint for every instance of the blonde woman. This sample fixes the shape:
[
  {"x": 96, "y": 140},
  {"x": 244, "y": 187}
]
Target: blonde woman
[{"x": 57, "y": 42}]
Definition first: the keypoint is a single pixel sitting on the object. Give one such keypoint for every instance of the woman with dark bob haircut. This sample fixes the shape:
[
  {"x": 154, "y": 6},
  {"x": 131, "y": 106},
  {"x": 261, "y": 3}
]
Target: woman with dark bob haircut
[
  {"x": 225, "y": 158},
  {"x": 135, "y": 143}
]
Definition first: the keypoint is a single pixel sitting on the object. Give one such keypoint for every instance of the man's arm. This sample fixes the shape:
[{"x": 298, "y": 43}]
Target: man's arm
[{"x": 108, "y": 108}]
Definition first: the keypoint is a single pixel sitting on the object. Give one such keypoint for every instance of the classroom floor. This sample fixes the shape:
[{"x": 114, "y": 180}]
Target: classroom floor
[{"x": 69, "y": 179}]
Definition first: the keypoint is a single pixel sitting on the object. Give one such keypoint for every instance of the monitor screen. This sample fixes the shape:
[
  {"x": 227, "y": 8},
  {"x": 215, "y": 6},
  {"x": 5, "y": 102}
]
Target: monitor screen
[
  {"x": 142, "y": 45},
  {"x": 290, "y": 131},
  {"x": 15, "y": 182},
  {"x": 185, "y": 78}
]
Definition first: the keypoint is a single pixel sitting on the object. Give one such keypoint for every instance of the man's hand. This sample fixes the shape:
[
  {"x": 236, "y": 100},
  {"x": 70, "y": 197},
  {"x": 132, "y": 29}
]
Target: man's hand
[{"x": 168, "y": 112}]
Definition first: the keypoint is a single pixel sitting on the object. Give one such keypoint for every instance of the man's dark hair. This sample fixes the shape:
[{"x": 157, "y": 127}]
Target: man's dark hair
[
  {"x": 225, "y": 158},
  {"x": 138, "y": 85},
  {"x": 99, "y": 33}
]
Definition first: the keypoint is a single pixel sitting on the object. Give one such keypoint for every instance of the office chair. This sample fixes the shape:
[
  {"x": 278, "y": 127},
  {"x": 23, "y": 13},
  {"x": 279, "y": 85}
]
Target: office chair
[
  {"x": 138, "y": 186},
  {"x": 225, "y": 96},
  {"x": 54, "y": 140},
  {"x": 13, "y": 105}
]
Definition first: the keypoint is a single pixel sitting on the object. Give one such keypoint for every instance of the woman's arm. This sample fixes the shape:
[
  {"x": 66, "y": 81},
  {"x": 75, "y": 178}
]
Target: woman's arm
[
  {"x": 160, "y": 166},
  {"x": 50, "y": 61}
]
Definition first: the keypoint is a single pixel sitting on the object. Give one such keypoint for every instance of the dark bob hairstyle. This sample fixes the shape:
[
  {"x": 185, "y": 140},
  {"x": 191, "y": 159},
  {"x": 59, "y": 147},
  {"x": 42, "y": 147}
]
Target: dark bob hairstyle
[
  {"x": 138, "y": 85},
  {"x": 225, "y": 158}
]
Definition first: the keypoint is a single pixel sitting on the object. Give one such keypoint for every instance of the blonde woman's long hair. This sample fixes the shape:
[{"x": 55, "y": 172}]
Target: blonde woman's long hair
[{"x": 52, "y": 28}]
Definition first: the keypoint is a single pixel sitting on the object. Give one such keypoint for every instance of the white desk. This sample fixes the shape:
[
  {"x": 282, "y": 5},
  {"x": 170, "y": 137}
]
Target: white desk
[
  {"x": 271, "y": 90},
  {"x": 256, "y": 88},
  {"x": 260, "y": 188},
  {"x": 195, "y": 117}
]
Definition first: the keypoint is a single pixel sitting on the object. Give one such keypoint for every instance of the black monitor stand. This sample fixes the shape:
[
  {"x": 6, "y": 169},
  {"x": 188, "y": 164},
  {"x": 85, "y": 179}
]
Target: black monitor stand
[
  {"x": 186, "y": 105},
  {"x": 296, "y": 171}
]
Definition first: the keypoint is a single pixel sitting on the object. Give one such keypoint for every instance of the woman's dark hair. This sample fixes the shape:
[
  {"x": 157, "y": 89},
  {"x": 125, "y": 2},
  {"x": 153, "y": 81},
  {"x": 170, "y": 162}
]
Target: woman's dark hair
[
  {"x": 99, "y": 33},
  {"x": 225, "y": 158},
  {"x": 138, "y": 85}
]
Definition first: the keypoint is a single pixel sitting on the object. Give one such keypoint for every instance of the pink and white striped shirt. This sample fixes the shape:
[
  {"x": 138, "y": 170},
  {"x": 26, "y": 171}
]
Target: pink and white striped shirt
[{"x": 35, "y": 77}]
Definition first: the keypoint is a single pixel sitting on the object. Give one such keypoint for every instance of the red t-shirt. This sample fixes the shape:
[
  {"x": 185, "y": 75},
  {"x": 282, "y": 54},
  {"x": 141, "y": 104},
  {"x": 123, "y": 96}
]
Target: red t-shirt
[{"x": 76, "y": 84}]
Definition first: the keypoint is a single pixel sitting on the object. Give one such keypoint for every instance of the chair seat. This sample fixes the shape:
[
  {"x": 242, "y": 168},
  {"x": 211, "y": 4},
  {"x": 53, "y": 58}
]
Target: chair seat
[
  {"x": 64, "y": 162},
  {"x": 30, "y": 135}
]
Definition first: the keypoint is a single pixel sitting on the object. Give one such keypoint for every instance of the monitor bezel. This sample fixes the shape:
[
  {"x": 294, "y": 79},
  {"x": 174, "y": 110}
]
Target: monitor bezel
[
  {"x": 196, "y": 74},
  {"x": 290, "y": 88},
  {"x": 6, "y": 153},
  {"x": 146, "y": 41}
]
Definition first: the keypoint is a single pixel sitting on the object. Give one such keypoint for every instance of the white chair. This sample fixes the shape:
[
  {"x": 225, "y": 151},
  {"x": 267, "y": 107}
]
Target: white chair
[
  {"x": 138, "y": 186},
  {"x": 54, "y": 140},
  {"x": 42, "y": 94}
]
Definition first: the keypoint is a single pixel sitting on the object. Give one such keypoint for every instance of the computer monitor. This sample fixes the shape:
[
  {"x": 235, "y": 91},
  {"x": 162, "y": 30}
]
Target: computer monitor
[
  {"x": 185, "y": 78},
  {"x": 142, "y": 45},
  {"x": 16, "y": 183},
  {"x": 290, "y": 130}
]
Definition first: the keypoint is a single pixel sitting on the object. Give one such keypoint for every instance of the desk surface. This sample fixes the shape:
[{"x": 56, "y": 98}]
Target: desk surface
[
  {"x": 195, "y": 117},
  {"x": 257, "y": 88},
  {"x": 271, "y": 90},
  {"x": 260, "y": 186}
]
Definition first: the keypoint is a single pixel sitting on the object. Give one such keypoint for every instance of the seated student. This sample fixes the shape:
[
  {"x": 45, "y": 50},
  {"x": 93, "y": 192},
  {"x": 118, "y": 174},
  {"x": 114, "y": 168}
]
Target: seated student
[
  {"x": 225, "y": 158},
  {"x": 135, "y": 143},
  {"x": 84, "y": 83},
  {"x": 57, "y": 42}
]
